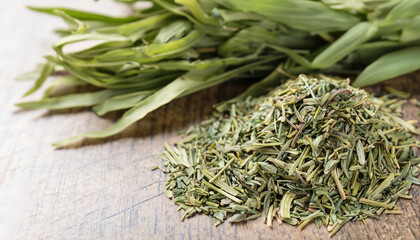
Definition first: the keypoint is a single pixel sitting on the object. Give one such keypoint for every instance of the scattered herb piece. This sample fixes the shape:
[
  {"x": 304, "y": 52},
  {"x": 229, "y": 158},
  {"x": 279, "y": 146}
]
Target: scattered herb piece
[{"x": 397, "y": 92}]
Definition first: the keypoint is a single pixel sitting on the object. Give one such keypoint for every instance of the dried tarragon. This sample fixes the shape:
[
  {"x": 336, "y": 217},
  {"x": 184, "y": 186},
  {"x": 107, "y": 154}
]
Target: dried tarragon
[{"x": 313, "y": 149}]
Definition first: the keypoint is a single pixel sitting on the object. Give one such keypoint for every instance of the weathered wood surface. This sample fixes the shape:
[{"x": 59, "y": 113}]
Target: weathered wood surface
[{"x": 105, "y": 189}]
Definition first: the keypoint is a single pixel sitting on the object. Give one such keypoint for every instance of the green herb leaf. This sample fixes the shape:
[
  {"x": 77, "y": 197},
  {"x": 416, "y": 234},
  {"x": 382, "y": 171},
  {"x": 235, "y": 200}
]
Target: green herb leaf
[{"x": 390, "y": 65}]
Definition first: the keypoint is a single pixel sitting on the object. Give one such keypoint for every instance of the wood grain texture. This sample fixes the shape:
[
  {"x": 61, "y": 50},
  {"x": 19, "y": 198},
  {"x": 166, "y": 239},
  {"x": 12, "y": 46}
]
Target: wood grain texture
[{"x": 104, "y": 189}]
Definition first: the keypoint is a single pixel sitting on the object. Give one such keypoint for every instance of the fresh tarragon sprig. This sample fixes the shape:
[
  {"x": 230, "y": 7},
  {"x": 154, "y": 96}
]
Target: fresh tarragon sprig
[{"x": 143, "y": 61}]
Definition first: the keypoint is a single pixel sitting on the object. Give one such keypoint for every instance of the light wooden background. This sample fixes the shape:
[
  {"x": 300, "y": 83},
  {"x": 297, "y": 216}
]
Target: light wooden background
[{"x": 104, "y": 189}]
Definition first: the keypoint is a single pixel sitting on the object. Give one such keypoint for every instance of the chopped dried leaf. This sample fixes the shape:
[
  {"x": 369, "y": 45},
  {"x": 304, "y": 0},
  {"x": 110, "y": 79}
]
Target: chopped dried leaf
[{"x": 353, "y": 158}]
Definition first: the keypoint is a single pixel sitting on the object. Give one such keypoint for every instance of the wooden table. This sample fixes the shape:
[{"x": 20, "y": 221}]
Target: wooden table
[{"x": 105, "y": 189}]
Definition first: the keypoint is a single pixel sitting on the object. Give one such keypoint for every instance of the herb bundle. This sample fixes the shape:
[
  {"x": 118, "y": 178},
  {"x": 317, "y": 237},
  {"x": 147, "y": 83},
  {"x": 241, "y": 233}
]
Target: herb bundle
[
  {"x": 177, "y": 47},
  {"x": 313, "y": 149}
]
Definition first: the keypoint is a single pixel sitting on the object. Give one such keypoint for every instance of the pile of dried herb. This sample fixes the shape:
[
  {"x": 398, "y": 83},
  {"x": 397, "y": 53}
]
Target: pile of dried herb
[
  {"x": 143, "y": 61},
  {"x": 313, "y": 149}
]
